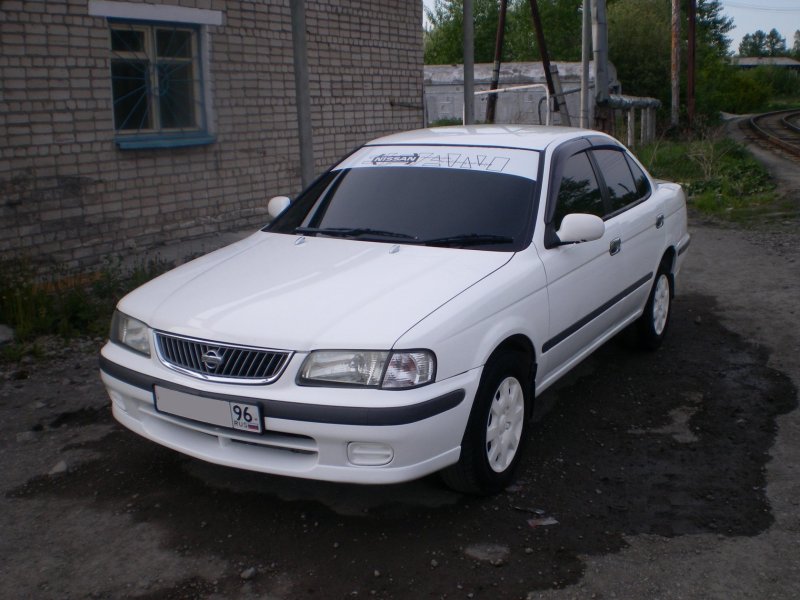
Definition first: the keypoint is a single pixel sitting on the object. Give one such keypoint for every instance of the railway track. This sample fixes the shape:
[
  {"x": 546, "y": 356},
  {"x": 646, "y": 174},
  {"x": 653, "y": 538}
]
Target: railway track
[{"x": 778, "y": 130}]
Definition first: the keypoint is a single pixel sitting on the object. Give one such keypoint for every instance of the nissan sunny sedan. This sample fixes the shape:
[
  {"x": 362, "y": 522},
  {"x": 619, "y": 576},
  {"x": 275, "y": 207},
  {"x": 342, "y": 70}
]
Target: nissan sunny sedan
[{"x": 402, "y": 314}]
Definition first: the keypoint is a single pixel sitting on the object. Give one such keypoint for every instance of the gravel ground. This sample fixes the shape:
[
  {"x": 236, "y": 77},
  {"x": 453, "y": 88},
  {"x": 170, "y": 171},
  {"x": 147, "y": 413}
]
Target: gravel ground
[{"x": 666, "y": 475}]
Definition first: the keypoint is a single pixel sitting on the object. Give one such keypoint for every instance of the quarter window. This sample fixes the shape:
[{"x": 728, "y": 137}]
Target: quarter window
[
  {"x": 156, "y": 80},
  {"x": 642, "y": 185}
]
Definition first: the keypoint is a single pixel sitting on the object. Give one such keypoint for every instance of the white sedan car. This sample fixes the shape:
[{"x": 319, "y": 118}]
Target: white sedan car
[{"x": 401, "y": 315}]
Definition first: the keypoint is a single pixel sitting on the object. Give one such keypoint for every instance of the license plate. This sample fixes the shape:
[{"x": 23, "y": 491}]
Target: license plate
[{"x": 243, "y": 416}]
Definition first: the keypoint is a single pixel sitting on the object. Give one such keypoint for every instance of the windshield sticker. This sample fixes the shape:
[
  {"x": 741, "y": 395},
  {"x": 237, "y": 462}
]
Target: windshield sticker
[
  {"x": 451, "y": 160},
  {"x": 489, "y": 160},
  {"x": 403, "y": 159}
]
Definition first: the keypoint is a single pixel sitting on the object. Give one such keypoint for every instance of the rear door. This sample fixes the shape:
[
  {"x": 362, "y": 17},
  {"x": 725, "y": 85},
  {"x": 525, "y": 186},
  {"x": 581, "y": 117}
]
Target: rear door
[{"x": 639, "y": 217}]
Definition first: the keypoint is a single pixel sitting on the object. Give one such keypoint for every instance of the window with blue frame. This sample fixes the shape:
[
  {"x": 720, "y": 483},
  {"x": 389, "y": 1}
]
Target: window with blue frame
[{"x": 157, "y": 85}]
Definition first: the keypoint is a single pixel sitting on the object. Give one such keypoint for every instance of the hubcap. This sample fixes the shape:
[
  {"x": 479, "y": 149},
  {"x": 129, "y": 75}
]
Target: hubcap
[
  {"x": 504, "y": 425},
  {"x": 661, "y": 304}
]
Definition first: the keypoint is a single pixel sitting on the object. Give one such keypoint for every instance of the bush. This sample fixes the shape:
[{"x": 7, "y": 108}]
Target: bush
[
  {"x": 54, "y": 304},
  {"x": 720, "y": 178}
]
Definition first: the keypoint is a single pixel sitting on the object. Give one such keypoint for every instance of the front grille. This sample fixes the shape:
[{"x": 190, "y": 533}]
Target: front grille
[{"x": 214, "y": 361}]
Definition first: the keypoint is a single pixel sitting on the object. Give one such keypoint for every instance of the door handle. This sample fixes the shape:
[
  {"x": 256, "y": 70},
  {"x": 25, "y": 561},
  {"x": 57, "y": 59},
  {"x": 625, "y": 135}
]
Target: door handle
[
  {"x": 615, "y": 246},
  {"x": 659, "y": 221}
]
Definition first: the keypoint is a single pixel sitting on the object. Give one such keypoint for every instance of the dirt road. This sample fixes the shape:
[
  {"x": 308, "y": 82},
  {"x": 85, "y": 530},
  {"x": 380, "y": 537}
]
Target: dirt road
[{"x": 666, "y": 475}]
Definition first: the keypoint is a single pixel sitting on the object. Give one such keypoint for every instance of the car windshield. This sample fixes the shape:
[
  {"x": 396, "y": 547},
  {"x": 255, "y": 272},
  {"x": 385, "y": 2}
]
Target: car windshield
[{"x": 445, "y": 207}]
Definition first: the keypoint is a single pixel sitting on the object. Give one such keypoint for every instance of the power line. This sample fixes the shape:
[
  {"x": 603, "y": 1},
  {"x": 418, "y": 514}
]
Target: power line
[{"x": 761, "y": 8}]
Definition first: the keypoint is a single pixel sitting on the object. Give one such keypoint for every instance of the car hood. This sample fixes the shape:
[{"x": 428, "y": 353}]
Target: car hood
[{"x": 286, "y": 292}]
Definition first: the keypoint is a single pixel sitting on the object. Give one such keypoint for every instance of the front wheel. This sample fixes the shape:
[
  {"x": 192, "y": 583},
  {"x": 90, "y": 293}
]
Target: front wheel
[
  {"x": 652, "y": 325},
  {"x": 495, "y": 434}
]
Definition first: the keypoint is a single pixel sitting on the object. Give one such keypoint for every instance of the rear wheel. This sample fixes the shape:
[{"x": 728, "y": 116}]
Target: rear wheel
[
  {"x": 652, "y": 325},
  {"x": 495, "y": 434}
]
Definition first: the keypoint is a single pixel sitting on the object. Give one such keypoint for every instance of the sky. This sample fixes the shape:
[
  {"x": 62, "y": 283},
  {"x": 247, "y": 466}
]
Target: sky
[{"x": 750, "y": 15}]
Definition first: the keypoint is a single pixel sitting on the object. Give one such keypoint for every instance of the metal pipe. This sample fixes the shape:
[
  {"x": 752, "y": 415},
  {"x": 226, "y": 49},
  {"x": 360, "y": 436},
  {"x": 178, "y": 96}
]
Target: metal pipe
[
  {"x": 522, "y": 87},
  {"x": 600, "y": 45},
  {"x": 302, "y": 96}
]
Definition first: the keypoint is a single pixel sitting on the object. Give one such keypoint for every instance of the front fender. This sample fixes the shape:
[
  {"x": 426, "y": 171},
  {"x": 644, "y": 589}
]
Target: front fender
[{"x": 466, "y": 330}]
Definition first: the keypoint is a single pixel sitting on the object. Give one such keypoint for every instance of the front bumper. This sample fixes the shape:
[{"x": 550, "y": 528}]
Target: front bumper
[{"x": 306, "y": 429}]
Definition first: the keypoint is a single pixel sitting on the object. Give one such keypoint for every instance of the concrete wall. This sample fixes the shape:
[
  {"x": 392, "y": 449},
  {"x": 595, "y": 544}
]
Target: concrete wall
[
  {"x": 69, "y": 195},
  {"x": 444, "y": 95}
]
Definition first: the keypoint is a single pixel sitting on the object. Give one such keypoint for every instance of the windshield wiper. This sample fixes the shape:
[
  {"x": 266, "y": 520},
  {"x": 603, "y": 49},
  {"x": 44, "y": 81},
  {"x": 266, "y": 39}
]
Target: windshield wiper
[
  {"x": 468, "y": 239},
  {"x": 352, "y": 232}
]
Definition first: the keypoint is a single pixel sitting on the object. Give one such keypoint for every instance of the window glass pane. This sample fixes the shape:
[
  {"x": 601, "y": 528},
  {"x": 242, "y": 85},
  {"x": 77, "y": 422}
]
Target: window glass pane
[
  {"x": 127, "y": 40},
  {"x": 426, "y": 203},
  {"x": 154, "y": 78},
  {"x": 642, "y": 185},
  {"x": 130, "y": 90},
  {"x": 579, "y": 191},
  {"x": 618, "y": 178},
  {"x": 174, "y": 43},
  {"x": 176, "y": 95}
]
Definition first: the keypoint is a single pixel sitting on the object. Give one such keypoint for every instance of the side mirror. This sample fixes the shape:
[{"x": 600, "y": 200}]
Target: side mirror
[
  {"x": 580, "y": 227},
  {"x": 277, "y": 205}
]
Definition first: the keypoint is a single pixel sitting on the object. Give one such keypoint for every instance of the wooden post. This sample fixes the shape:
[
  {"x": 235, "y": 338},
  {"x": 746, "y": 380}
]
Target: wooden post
[
  {"x": 586, "y": 49},
  {"x": 469, "y": 64},
  {"x": 690, "y": 60},
  {"x": 676, "y": 63},
  {"x": 491, "y": 101},
  {"x": 561, "y": 101},
  {"x": 631, "y": 127},
  {"x": 645, "y": 125}
]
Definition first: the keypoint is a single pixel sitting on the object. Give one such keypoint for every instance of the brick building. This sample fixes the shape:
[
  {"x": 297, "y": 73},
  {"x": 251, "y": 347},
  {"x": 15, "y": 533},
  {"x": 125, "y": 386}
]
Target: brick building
[{"x": 127, "y": 124}]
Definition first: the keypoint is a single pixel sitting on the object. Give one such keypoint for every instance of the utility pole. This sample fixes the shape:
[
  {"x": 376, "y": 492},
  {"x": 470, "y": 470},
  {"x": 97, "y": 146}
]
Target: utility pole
[
  {"x": 586, "y": 49},
  {"x": 600, "y": 46},
  {"x": 491, "y": 101},
  {"x": 690, "y": 59},
  {"x": 302, "y": 98},
  {"x": 469, "y": 64},
  {"x": 676, "y": 63}
]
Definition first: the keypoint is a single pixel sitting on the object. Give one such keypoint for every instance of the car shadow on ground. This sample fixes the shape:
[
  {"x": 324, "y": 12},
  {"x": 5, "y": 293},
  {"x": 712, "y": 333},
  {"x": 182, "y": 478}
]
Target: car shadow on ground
[{"x": 668, "y": 443}]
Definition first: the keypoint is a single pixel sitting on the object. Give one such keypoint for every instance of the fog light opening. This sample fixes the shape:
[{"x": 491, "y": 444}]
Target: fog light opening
[{"x": 369, "y": 454}]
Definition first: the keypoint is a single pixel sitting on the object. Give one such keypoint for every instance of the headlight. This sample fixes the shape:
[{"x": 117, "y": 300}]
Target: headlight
[
  {"x": 130, "y": 332},
  {"x": 368, "y": 368}
]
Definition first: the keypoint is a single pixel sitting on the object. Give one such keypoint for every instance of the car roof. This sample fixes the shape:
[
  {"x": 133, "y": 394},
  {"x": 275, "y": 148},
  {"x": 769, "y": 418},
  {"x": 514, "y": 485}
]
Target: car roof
[{"x": 527, "y": 137}]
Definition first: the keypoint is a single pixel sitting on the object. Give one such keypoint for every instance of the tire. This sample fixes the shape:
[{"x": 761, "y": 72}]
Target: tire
[
  {"x": 492, "y": 444},
  {"x": 653, "y": 324}
]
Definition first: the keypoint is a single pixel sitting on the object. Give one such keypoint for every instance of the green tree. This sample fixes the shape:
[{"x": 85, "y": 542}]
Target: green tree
[
  {"x": 776, "y": 43},
  {"x": 796, "y": 47},
  {"x": 753, "y": 44},
  {"x": 443, "y": 40},
  {"x": 639, "y": 46},
  {"x": 712, "y": 27},
  {"x": 561, "y": 21}
]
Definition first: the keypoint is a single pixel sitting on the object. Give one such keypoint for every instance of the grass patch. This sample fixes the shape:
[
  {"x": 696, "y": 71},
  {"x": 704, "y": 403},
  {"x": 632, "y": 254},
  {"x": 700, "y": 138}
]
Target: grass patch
[
  {"x": 721, "y": 178},
  {"x": 445, "y": 122},
  {"x": 66, "y": 306}
]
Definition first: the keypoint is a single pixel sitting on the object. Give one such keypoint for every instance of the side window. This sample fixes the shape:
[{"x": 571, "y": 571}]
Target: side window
[
  {"x": 579, "y": 191},
  {"x": 642, "y": 185},
  {"x": 622, "y": 189}
]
